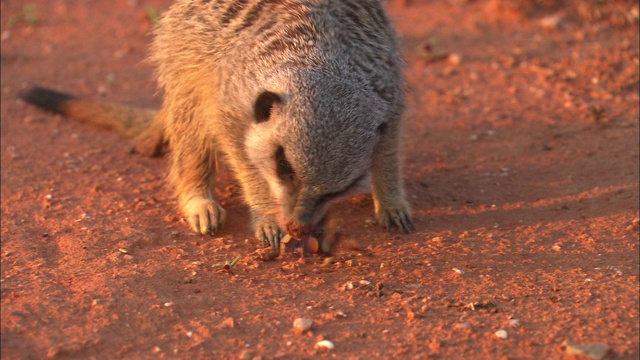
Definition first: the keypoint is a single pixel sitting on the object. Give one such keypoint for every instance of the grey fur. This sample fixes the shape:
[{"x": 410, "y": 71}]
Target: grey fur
[{"x": 337, "y": 69}]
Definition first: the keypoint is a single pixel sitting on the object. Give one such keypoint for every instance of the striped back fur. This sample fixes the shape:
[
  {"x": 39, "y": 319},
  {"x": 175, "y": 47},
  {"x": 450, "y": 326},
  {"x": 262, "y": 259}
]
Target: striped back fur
[{"x": 244, "y": 40}]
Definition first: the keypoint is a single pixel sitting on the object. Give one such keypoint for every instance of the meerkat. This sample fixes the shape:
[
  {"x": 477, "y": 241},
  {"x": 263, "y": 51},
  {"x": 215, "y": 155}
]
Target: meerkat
[{"x": 305, "y": 98}]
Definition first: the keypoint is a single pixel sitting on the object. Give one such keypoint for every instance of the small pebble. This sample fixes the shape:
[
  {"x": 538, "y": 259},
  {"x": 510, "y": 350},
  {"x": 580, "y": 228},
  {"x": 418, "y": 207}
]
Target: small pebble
[
  {"x": 591, "y": 351},
  {"x": 246, "y": 355},
  {"x": 46, "y": 200},
  {"x": 458, "y": 271},
  {"x": 514, "y": 323},
  {"x": 501, "y": 334},
  {"x": 454, "y": 58},
  {"x": 228, "y": 323},
  {"x": 302, "y": 324},
  {"x": 267, "y": 254},
  {"x": 325, "y": 344},
  {"x": 365, "y": 282},
  {"x": 551, "y": 21},
  {"x": 463, "y": 325}
]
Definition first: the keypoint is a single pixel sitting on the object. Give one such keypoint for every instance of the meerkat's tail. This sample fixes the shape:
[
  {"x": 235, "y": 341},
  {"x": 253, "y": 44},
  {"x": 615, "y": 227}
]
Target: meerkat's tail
[{"x": 136, "y": 123}]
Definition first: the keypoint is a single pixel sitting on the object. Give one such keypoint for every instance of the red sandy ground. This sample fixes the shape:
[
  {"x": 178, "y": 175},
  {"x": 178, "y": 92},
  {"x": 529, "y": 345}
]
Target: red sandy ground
[{"x": 521, "y": 163}]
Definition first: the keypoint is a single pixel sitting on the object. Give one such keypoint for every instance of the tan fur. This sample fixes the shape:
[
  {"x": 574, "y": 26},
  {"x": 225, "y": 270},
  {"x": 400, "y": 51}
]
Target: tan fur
[
  {"x": 305, "y": 99},
  {"x": 134, "y": 123}
]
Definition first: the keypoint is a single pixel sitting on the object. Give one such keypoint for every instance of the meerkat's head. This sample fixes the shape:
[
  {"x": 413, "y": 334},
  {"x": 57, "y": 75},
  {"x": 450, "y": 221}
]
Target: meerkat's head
[{"x": 313, "y": 145}]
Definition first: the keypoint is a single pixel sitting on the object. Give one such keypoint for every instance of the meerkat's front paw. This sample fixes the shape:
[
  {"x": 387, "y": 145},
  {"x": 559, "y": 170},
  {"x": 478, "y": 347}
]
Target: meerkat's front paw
[
  {"x": 204, "y": 215},
  {"x": 268, "y": 231},
  {"x": 396, "y": 215}
]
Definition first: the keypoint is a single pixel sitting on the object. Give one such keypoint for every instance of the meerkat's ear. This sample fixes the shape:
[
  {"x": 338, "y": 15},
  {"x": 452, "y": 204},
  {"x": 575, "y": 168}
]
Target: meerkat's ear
[{"x": 263, "y": 105}]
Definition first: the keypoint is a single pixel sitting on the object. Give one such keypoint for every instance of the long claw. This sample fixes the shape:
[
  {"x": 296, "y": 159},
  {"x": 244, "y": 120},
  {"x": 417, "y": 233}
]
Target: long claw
[
  {"x": 403, "y": 223},
  {"x": 411, "y": 224},
  {"x": 269, "y": 233},
  {"x": 204, "y": 215},
  {"x": 399, "y": 218},
  {"x": 264, "y": 238}
]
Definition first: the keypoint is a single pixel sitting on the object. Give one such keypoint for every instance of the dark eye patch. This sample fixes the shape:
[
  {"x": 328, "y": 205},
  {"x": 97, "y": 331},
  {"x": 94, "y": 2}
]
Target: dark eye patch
[
  {"x": 283, "y": 167},
  {"x": 264, "y": 104},
  {"x": 381, "y": 128}
]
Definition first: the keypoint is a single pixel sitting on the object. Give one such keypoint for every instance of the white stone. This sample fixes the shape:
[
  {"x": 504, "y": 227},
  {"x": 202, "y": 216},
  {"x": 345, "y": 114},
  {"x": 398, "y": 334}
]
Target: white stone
[
  {"x": 302, "y": 324},
  {"x": 326, "y": 344},
  {"x": 501, "y": 334}
]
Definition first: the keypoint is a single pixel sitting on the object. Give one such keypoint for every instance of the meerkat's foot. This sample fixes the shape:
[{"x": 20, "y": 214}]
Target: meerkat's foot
[
  {"x": 395, "y": 215},
  {"x": 204, "y": 215},
  {"x": 268, "y": 231}
]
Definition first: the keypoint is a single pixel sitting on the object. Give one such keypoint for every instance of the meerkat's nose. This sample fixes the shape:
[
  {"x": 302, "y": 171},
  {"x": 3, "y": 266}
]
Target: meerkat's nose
[
  {"x": 298, "y": 230},
  {"x": 300, "y": 223}
]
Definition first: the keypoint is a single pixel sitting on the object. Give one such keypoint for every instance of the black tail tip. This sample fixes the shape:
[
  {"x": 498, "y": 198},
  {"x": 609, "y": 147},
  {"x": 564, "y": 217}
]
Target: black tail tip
[{"x": 45, "y": 98}]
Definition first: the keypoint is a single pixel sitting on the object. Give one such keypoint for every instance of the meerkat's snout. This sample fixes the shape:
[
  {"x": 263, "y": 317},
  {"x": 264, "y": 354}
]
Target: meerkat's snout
[
  {"x": 298, "y": 230},
  {"x": 303, "y": 218}
]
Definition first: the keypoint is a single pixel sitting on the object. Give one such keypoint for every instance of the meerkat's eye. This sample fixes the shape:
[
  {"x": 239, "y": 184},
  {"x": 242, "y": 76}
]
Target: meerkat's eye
[
  {"x": 381, "y": 128},
  {"x": 283, "y": 167},
  {"x": 264, "y": 104}
]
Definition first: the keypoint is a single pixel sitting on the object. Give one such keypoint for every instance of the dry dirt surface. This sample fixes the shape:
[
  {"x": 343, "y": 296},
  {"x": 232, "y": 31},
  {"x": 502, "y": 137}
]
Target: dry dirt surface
[{"x": 520, "y": 162}]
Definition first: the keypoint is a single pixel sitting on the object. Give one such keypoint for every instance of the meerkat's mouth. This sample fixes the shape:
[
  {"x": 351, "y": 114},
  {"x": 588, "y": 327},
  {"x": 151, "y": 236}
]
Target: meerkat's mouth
[{"x": 312, "y": 221}]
